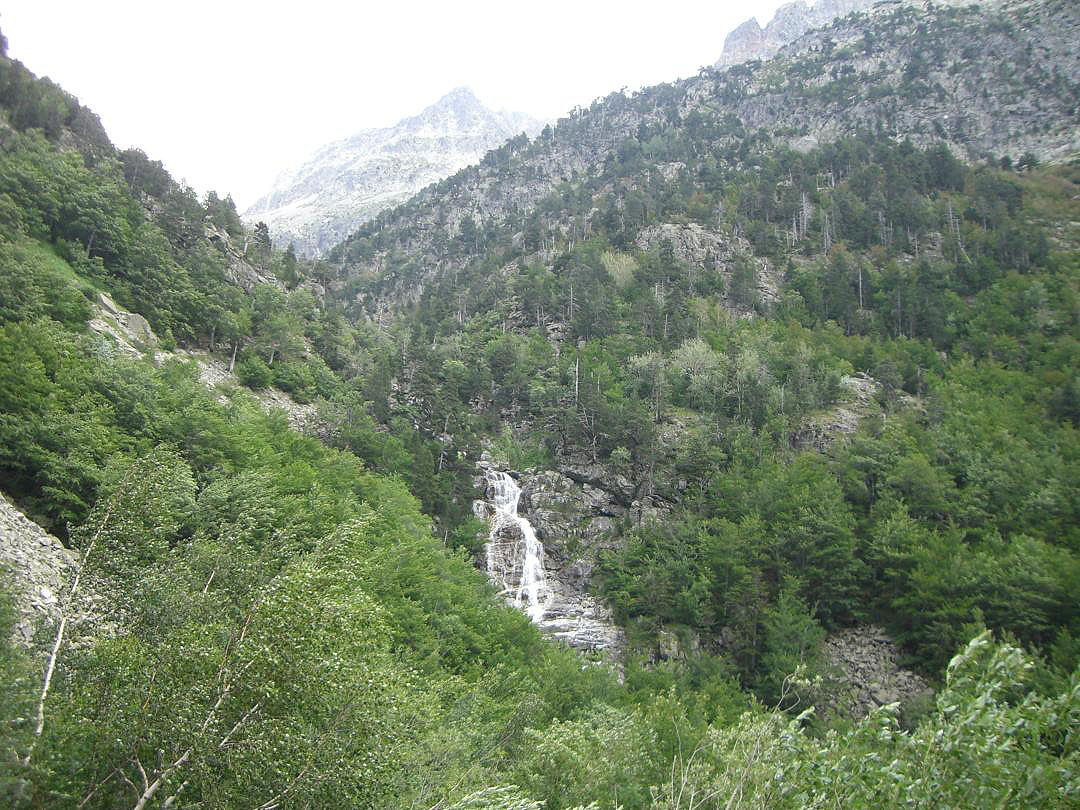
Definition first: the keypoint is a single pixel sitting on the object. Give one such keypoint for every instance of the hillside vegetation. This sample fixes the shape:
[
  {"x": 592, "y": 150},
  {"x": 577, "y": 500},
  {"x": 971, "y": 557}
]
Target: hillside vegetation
[{"x": 828, "y": 365}]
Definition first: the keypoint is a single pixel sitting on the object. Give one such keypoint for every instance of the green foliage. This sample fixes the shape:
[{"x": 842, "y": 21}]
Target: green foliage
[
  {"x": 519, "y": 454},
  {"x": 35, "y": 282},
  {"x": 56, "y": 430},
  {"x": 788, "y": 537},
  {"x": 143, "y": 507},
  {"x": 209, "y": 552},
  {"x": 988, "y": 743},
  {"x": 605, "y": 757},
  {"x": 253, "y": 372},
  {"x": 496, "y": 798},
  {"x": 15, "y": 700},
  {"x": 792, "y": 641},
  {"x": 293, "y": 691},
  {"x": 350, "y": 425},
  {"x": 301, "y": 622}
]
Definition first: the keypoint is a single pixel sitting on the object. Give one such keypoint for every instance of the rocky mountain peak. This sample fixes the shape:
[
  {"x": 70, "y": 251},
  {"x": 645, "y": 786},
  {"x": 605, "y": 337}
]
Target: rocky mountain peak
[
  {"x": 460, "y": 102},
  {"x": 457, "y": 98},
  {"x": 347, "y": 182},
  {"x": 750, "y": 41},
  {"x": 460, "y": 93}
]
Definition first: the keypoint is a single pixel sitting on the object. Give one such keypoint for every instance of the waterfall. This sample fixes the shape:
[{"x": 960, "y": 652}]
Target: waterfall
[{"x": 517, "y": 566}]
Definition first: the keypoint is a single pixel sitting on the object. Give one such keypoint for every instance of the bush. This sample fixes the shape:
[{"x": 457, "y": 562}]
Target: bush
[
  {"x": 253, "y": 372},
  {"x": 297, "y": 379}
]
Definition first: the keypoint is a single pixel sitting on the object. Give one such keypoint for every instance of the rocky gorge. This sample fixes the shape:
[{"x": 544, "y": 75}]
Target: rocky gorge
[{"x": 547, "y": 532}]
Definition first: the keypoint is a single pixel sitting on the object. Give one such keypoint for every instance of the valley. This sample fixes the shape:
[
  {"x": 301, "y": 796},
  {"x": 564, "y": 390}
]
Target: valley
[{"x": 712, "y": 446}]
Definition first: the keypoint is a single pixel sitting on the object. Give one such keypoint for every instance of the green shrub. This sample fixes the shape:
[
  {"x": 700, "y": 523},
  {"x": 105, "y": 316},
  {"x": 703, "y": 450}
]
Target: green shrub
[{"x": 253, "y": 372}]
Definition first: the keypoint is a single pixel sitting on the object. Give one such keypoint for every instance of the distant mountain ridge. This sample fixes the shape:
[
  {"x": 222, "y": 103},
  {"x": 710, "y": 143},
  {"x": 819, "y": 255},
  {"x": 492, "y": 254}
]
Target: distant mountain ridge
[
  {"x": 988, "y": 79},
  {"x": 346, "y": 183},
  {"x": 750, "y": 41}
]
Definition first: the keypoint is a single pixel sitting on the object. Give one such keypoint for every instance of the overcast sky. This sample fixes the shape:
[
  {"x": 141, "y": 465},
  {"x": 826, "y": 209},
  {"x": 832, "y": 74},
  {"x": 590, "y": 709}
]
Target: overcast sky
[{"x": 227, "y": 94}]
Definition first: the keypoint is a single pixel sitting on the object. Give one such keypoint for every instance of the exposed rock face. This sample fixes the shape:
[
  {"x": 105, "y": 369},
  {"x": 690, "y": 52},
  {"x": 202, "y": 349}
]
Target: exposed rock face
[
  {"x": 345, "y": 183},
  {"x": 41, "y": 571},
  {"x": 744, "y": 43},
  {"x": 573, "y": 522},
  {"x": 858, "y": 403},
  {"x": 866, "y": 660},
  {"x": 674, "y": 646},
  {"x": 130, "y": 330},
  {"x": 791, "y": 21},
  {"x": 238, "y": 270},
  {"x": 131, "y": 335},
  {"x": 700, "y": 248},
  {"x": 842, "y": 420},
  {"x": 576, "y": 512},
  {"x": 214, "y": 372}
]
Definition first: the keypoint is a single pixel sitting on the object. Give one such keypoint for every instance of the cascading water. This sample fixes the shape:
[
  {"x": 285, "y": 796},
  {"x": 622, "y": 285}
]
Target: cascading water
[
  {"x": 517, "y": 565},
  {"x": 552, "y": 597}
]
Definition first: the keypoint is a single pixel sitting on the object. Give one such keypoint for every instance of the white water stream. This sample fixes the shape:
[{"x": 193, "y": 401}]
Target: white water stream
[{"x": 517, "y": 566}]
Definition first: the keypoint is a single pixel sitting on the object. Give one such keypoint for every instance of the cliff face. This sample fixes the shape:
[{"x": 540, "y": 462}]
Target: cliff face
[
  {"x": 347, "y": 182},
  {"x": 751, "y": 41},
  {"x": 573, "y": 522}
]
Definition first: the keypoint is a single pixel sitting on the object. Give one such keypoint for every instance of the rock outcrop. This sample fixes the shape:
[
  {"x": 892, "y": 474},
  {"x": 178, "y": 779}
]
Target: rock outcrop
[
  {"x": 842, "y": 420},
  {"x": 41, "y": 571},
  {"x": 859, "y": 401},
  {"x": 791, "y": 21},
  {"x": 214, "y": 372},
  {"x": 130, "y": 333},
  {"x": 702, "y": 249},
  {"x": 129, "y": 330},
  {"x": 869, "y": 675},
  {"x": 346, "y": 183},
  {"x": 238, "y": 270}
]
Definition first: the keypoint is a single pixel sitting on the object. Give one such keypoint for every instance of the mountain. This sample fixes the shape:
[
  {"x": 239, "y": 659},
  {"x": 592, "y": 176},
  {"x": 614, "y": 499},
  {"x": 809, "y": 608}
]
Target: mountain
[
  {"x": 764, "y": 383},
  {"x": 995, "y": 80},
  {"x": 750, "y": 41},
  {"x": 345, "y": 183},
  {"x": 661, "y": 277}
]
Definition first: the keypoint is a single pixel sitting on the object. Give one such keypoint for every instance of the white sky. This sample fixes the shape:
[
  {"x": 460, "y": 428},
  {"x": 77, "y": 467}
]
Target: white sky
[{"x": 227, "y": 94}]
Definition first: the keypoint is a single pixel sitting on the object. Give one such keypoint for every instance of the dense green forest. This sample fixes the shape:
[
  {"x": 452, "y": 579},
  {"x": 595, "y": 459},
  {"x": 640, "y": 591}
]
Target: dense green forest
[
  {"x": 954, "y": 507},
  {"x": 289, "y": 620}
]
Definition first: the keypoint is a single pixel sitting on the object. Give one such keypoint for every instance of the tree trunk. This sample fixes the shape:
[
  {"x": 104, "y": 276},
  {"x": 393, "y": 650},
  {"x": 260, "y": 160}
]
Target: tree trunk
[{"x": 577, "y": 368}]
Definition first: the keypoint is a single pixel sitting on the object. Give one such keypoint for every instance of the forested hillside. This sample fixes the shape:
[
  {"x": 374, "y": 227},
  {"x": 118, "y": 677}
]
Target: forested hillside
[
  {"x": 688, "y": 314},
  {"x": 904, "y": 71},
  {"x": 763, "y": 382}
]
